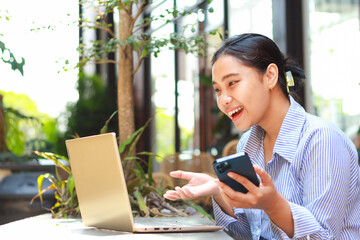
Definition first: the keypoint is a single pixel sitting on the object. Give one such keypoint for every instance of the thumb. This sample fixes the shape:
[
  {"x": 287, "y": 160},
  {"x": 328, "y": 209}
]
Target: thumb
[{"x": 265, "y": 178}]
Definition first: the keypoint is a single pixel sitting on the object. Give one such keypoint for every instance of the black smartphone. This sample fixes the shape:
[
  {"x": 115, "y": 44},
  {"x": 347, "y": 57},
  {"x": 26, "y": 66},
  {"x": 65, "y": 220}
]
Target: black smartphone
[{"x": 238, "y": 163}]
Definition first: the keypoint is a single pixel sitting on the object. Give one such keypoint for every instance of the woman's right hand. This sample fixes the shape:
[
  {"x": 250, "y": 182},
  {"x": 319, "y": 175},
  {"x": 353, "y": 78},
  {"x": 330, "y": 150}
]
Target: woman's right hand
[{"x": 199, "y": 184}]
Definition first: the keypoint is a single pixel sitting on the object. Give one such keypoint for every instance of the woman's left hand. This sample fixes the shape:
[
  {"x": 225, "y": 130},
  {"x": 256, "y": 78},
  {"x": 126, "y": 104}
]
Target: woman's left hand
[{"x": 261, "y": 197}]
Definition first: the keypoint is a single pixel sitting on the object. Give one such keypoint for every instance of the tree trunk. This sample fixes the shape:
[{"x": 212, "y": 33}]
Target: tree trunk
[{"x": 125, "y": 79}]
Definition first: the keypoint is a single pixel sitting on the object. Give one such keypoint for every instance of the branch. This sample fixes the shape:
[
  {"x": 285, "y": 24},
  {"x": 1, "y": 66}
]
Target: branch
[
  {"x": 140, "y": 10},
  {"x": 107, "y": 29},
  {"x": 140, "y": 60},
  {"x": 99, "y": 61},
  {"x": 141, "y": 27},
  {"x": 98, "y": 26},
  {"x": 103, "y": 19},
  {"x": 104, "y": 61}
]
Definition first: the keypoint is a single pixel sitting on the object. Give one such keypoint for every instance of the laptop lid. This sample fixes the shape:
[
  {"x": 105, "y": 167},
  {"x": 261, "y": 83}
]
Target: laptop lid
[{"x": 100, "y": 182}]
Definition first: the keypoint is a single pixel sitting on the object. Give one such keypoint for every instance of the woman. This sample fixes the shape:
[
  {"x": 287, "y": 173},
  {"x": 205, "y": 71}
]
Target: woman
[{"x": 310, "y": 186}]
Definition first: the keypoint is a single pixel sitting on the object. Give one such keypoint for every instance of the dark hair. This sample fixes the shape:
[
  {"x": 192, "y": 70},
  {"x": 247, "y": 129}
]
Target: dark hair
[{"x": 258, "y": 51}]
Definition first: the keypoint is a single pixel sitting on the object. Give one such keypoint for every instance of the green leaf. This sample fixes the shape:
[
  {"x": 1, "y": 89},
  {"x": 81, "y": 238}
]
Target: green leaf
[
  {"x": 140, "y": 171},
  {"x": 221, "y": 36},
  {"x": 200, "y": 209},
  {"x": 40, "y": 181},
  {"x": 105, "y": 127},
  {"x": 134, "y": 138},
  {"x": 150, "y": 179},
  {"x": 129, "y": 140},
  {"x": 141, "y": 203},
  {"x": 56, "y": 159},
  {"x": 71, "y": 187}
]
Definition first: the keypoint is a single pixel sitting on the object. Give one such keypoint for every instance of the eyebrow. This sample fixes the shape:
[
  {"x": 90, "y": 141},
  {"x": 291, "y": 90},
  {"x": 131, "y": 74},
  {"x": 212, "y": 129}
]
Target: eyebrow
[{"x": 226, "y": 76}]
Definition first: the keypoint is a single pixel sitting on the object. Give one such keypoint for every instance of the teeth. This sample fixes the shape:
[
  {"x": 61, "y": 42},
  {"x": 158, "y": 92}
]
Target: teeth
[{"x": 235, "y": 111}]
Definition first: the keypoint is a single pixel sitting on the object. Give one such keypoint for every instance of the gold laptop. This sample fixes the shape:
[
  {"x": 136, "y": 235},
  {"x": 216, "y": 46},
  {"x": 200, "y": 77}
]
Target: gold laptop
[{"x": 102, "y": 193}]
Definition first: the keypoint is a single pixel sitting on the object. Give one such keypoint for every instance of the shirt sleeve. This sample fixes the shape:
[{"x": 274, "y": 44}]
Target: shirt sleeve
[
  {"x": 239, "y": 226},
  {"x": 326, "y": 187}
]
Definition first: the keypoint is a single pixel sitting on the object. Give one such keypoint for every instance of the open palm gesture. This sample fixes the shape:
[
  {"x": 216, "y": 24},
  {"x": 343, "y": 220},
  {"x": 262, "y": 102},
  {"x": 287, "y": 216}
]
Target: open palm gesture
[{"x": 199, "y": 184}]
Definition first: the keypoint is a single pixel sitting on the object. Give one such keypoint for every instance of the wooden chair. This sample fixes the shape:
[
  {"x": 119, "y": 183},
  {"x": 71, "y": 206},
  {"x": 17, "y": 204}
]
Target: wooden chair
[
  {"x": 230, "y": 148},
  {"x": 201, "y": 163},
  {"x": 162, "y": 179}
]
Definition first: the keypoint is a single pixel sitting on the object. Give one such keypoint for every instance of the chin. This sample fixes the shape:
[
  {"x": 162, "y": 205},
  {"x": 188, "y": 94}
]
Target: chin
[{"x": 241, "y": 127}]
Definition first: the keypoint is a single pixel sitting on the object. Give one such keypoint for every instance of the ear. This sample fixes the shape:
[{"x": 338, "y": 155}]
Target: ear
[{"x": 271, "y": 75}]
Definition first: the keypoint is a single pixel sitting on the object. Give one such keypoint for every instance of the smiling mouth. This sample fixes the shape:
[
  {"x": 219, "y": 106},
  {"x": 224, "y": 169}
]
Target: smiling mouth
[{"x": 235, "y": 112}]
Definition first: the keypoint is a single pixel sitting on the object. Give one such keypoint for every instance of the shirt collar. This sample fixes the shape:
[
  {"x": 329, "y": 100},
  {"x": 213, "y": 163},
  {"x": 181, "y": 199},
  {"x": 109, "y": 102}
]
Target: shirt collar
[{"x": 287, "y": 140}]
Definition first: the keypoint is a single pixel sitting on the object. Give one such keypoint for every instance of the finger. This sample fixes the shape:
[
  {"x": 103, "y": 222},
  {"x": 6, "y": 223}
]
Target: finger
[
  {"x": 188, "y": 193},
  {"x": 227, "y": 194},
  {"x": 234, "y": 198},
  {"x": 182, "y": 174},
  {"x": 172, "y": 195},
  {"x": 243, "y": 181},
  {"x": 265, "y": 178},
  {"x": 181, "y": 193},
  {"x": 227, "y": 189}
]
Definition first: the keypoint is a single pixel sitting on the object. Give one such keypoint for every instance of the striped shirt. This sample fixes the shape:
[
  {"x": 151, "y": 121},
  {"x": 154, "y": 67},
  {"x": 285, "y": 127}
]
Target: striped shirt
[{"x": 315, "y": 167}]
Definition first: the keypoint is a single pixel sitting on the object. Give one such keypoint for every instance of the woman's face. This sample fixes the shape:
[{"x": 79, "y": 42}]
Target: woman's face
[{"x": 242, "y": 92}]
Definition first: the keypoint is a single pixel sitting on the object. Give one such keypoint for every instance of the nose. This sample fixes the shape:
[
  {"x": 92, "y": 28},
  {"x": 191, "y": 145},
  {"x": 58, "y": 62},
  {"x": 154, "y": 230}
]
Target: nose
[{"x": 225, "y": 98}]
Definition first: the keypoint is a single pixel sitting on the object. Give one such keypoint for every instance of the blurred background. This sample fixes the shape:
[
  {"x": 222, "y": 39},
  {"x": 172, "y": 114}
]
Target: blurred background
[{"x": 45, "y": 99}]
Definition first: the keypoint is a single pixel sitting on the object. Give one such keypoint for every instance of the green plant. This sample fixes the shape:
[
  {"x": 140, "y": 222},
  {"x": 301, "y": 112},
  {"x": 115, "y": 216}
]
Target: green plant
[
  {"x": 93, "y": 107},
  {"x": 6, "y": 55},
  {"x": 65, "y": 194},
  {"x": 86, "y": 116},
  {"x": 144, "y": 195},
  {"x": 24, "y": 128},
  {"x": 131, "y": 36}
]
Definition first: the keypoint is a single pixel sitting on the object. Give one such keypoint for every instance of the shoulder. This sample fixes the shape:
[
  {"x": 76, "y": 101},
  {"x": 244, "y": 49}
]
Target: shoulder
[
  {"x": 322, "y": 135},
  {"x": 315, "y": 126}
]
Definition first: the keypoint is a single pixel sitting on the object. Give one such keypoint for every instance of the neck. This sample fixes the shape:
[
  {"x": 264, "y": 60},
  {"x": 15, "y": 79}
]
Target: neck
[{"x": 278, "y": 107}]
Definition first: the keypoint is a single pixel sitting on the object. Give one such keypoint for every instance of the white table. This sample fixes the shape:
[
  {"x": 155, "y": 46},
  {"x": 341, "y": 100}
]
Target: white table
[{"x": 45, "y": 227}]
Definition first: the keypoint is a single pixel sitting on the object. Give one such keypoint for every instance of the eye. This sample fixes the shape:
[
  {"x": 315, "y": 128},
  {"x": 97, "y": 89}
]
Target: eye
[
  {"x": 216, "y": 90},
  {"x": 232, "y": 83}
]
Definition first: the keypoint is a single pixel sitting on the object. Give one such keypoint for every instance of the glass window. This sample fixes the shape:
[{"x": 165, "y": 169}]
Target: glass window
[
  {"x": 163, "y": 77},
  {"x": 334, "y": 61},
  {"x": 250, "y": 16},
  {"x": 215, "y": 20},
  {"x": 188, "y": 66}
]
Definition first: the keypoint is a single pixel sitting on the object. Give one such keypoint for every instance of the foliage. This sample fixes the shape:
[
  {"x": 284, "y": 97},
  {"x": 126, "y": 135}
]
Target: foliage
[
  {"x": 6, "y": 55},
  {"x": 85, "y": 116},
  {"x": 92, "y": 107},
  {"x": 164, "y": 126},
  {"x": 145, "y": 195},
  {"x": 142, "y": 43},
  {"x": 26, "y": 128},
  {"x": 164, "y": 132},
  {"x": 66, "y": 199},
  {"x": 131, "y": 36}
]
